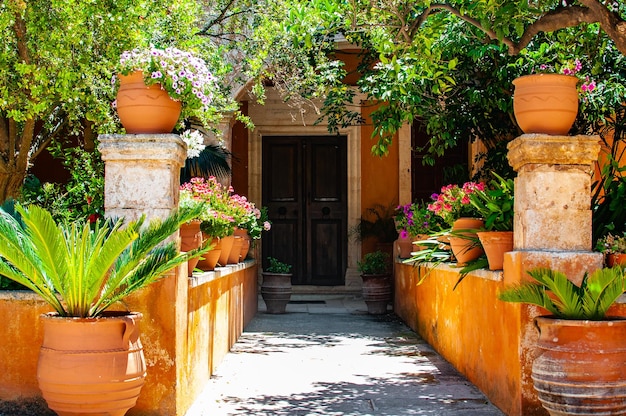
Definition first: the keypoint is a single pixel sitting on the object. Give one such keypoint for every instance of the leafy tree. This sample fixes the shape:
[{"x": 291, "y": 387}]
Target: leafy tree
[{"x": 57, "y": 60}]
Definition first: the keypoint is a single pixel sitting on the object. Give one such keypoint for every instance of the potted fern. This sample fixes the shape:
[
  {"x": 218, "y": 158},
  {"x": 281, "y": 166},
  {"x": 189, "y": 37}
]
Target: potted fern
[
  {"x": 91, "y": 357},
  {"x": 276, "y": 286},
  {"x": 580, "y": 366}
]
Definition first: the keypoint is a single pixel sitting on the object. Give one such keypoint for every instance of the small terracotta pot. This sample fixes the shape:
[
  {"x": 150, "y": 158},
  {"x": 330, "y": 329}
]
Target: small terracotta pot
[
  {"x": 404, "y": 247},
  {"x": 227, "y": 245},
  {"x": 235, "y": 251},
  {"x": 209, "y": 260},
  {"x": 462, "y": 245},
  {"x": 495, "y": 244},
  {"x": 245, "y": 246},
  {"x": 614, "y": 259},
  {"x": 190, "y": 239}
]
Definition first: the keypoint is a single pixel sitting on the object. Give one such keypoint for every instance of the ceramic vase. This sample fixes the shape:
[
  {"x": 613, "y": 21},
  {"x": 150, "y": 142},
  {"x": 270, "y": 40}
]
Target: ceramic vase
[
  {"x": 145, "y": 109},
  {"x": 545, "y": 103},
  {"x": 91, "y": 365},
  {"x": 580, "y": 369}
]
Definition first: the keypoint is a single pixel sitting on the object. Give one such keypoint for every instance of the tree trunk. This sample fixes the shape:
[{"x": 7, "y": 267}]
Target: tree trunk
[{"x": 11, "y": 182}]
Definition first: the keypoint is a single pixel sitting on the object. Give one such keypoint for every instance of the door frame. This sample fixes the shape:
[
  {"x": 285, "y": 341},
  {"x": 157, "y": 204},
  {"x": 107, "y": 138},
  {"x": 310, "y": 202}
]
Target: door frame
[{"x": 353, "y": 137}]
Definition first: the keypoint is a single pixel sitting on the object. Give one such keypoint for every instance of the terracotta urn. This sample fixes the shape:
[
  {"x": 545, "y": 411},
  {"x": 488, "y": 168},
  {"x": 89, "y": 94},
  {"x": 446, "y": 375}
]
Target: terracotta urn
[
  {"x": 145, "y": 109},
  {"x": 545, "y": 103},
  {"x": 91, "y": 365},
  {"x": 276, "y": 291},
  {"x": 376, "y": 292}
]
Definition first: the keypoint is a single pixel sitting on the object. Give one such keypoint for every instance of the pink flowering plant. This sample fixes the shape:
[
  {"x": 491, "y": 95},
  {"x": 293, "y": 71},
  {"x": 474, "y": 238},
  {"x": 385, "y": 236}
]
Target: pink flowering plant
[
  {"x": 573, "y": 68},
  {"x": 217, "y": 219},
  {"x": 183, "y": 75},
  {"x": 454, "y": 201},
  {"x": 414, "y": 219}
]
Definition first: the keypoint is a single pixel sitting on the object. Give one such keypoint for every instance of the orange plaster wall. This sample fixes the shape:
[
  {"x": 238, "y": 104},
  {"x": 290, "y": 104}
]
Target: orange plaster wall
[
  {"x": 186, "y": 331},
  {"x": 379, "y": 175},
  {"x": 485, "y": 339}
]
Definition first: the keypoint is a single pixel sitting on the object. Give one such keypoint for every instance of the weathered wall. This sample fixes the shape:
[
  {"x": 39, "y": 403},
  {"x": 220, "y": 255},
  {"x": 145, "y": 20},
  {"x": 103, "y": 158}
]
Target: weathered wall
[{"x": 217, "y": 307}]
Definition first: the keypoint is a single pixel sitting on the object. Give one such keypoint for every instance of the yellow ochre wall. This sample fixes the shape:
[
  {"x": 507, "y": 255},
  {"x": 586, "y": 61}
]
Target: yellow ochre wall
[{"x": 188, "y": 326}]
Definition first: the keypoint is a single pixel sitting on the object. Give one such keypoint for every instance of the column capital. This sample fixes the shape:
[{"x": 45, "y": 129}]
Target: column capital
[
  {"x": 169, "y": 148},
  {"x": 553, "y": 150}
]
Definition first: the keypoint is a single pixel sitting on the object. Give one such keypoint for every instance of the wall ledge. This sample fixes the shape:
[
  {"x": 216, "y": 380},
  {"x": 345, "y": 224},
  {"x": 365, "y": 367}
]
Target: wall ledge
[
  {"x": 494, "y": 275},
  {"x": 200, "y": 278}
]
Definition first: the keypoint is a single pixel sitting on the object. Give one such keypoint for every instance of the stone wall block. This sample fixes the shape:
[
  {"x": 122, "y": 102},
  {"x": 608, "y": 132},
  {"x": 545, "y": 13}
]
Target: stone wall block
[
  {"x": 551, "y": 187},
  {"x": 553, "y": 229}
]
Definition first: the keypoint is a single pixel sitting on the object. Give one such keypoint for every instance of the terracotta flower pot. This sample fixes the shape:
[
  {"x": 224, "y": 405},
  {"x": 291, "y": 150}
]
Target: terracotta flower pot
[
  {"x": 276, "y": 291},
  {"x": 145, "y": 109},
  {"x": 245, "y": 246},
  {"x": 235, "y": 251},
  {"x": 404, "y": 247},
  {"x": 462, "y": 244},
  {"x": 376, "y": 292},
  {"x": 227, "y": 245},
  {"x": 614, "y": 259},
  {"x": 91, "y": 365},
  {"x": 209, "y": 260},
  {"x": 580, "y": 369},
  {"x": 495, "y": 244},
  {"x": 545, "y": 103},
  {"x": 190, "y": 239}
]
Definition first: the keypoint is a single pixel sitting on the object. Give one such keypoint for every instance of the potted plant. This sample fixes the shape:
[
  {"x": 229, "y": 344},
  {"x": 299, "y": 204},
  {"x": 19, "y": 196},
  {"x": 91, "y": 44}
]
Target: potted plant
[
  {"x": 453, "y": 205},
  {"x": 580, "y": 366},
  {"x": 376, "y": 276},
  {"x": 91, "y": 357},
  {"x": 190, "y": 232},
  {"x": 414, "y": 222},
  {"x": 166, "y": 78},
  {"x": 614, "y": 249},
  {"x": 495, "y": 205},
  {"x": 276, "y": 286}
]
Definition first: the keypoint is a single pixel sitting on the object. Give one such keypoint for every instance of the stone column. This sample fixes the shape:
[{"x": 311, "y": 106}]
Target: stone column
[
  {"x": 553, "y": 200},
  {"x": 142, "y": 174}
]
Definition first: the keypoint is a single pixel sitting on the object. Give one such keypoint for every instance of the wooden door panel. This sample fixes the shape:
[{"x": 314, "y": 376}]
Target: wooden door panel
[{"x": 305, "y": 190}]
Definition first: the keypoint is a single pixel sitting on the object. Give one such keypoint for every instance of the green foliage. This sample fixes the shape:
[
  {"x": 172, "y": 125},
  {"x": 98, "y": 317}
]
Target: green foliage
[
  {"x": 81, "y": 197},
  {"x": 378, "y": 222},
  {"x": 277, "y": 266},
  {"x": 612, "y": 244},
  {"x": 554, "y": 292},
  {"x": 80, "y": 269},
  {"x": 376, "y": 262},
  {"x": 495, "y": 204}
]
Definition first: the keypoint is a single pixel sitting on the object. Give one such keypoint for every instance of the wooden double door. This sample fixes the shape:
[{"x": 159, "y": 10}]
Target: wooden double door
[{"x": 304, "y": 187}]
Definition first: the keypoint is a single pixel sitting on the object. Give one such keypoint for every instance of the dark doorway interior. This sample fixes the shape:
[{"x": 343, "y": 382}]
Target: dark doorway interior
[{"x": 305, "y": 189}]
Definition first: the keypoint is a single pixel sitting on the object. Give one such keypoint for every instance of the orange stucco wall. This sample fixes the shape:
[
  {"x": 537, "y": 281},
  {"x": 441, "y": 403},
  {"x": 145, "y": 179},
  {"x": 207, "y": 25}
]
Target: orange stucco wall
[
  {"x": 379, "y": 175},
  {"x": 188, "y": 326}
]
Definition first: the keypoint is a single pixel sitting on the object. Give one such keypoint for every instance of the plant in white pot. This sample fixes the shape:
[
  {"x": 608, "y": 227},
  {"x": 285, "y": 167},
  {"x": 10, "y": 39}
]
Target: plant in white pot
[
  {"x": 580, "y": 368},
  {"x": 91, "y": 358}
]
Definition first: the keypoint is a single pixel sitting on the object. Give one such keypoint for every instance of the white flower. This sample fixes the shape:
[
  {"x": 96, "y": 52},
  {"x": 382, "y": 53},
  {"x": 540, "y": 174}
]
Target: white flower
[{"x": 194, "y": 141}]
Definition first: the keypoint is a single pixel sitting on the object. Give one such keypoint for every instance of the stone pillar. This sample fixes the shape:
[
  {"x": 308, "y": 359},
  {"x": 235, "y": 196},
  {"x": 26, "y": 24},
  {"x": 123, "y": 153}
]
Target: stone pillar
[
  {"x": 142, "y": 174},
  {"x": 553, "y": 201}
]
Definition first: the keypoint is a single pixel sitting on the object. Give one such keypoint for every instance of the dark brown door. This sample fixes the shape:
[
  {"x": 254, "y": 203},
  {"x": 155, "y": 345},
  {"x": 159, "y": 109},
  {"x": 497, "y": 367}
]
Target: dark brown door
[{"x": 305, "y": 191}]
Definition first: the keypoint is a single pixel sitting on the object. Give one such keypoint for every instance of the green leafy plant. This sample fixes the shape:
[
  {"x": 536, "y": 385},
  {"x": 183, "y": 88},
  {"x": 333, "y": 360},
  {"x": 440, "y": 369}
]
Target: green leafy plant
[
  {"x": 414, "y": 219},
  {"x": 376, "y": 262},
  {"x": 378, "y": 222},
  {"x": 277, "y": 266},
  {"x": 552, "y": 290},
  {"x": 612, "y": 244},
  {"x": 82, "y": 269},
  {"x": 495, "y": 204}
]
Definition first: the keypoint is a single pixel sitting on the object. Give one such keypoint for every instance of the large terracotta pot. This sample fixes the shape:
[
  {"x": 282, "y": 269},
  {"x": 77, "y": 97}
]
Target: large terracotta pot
[
  {"x": 462, "y": 241},
  {"x": 376, "y": 292},
  {"x": 91, "y": 366},
  {"x": 276, "y": 291},
  {"x": 145, "y": 109},
  {"x": 190, "y": 239},
  {"x": 580, "y": 369},
  {"x": 209, "y": 260},
  {"x": 495, "y": 244},
  {"x": 545, "y": 103},
  {"x": 227, "y": 245}
]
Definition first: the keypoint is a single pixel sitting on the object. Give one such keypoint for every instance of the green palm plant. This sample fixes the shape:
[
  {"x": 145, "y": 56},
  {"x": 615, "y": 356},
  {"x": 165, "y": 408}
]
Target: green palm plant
[
  {"x": 553, "y": 291},
  {"x": 82, "y": 269}
]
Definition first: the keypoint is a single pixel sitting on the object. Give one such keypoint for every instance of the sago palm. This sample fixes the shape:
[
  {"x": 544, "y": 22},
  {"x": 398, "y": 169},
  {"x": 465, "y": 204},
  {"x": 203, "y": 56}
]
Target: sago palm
[
  {"x": 82, "y": 269},
  {"x": 556, "y": 293}
]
